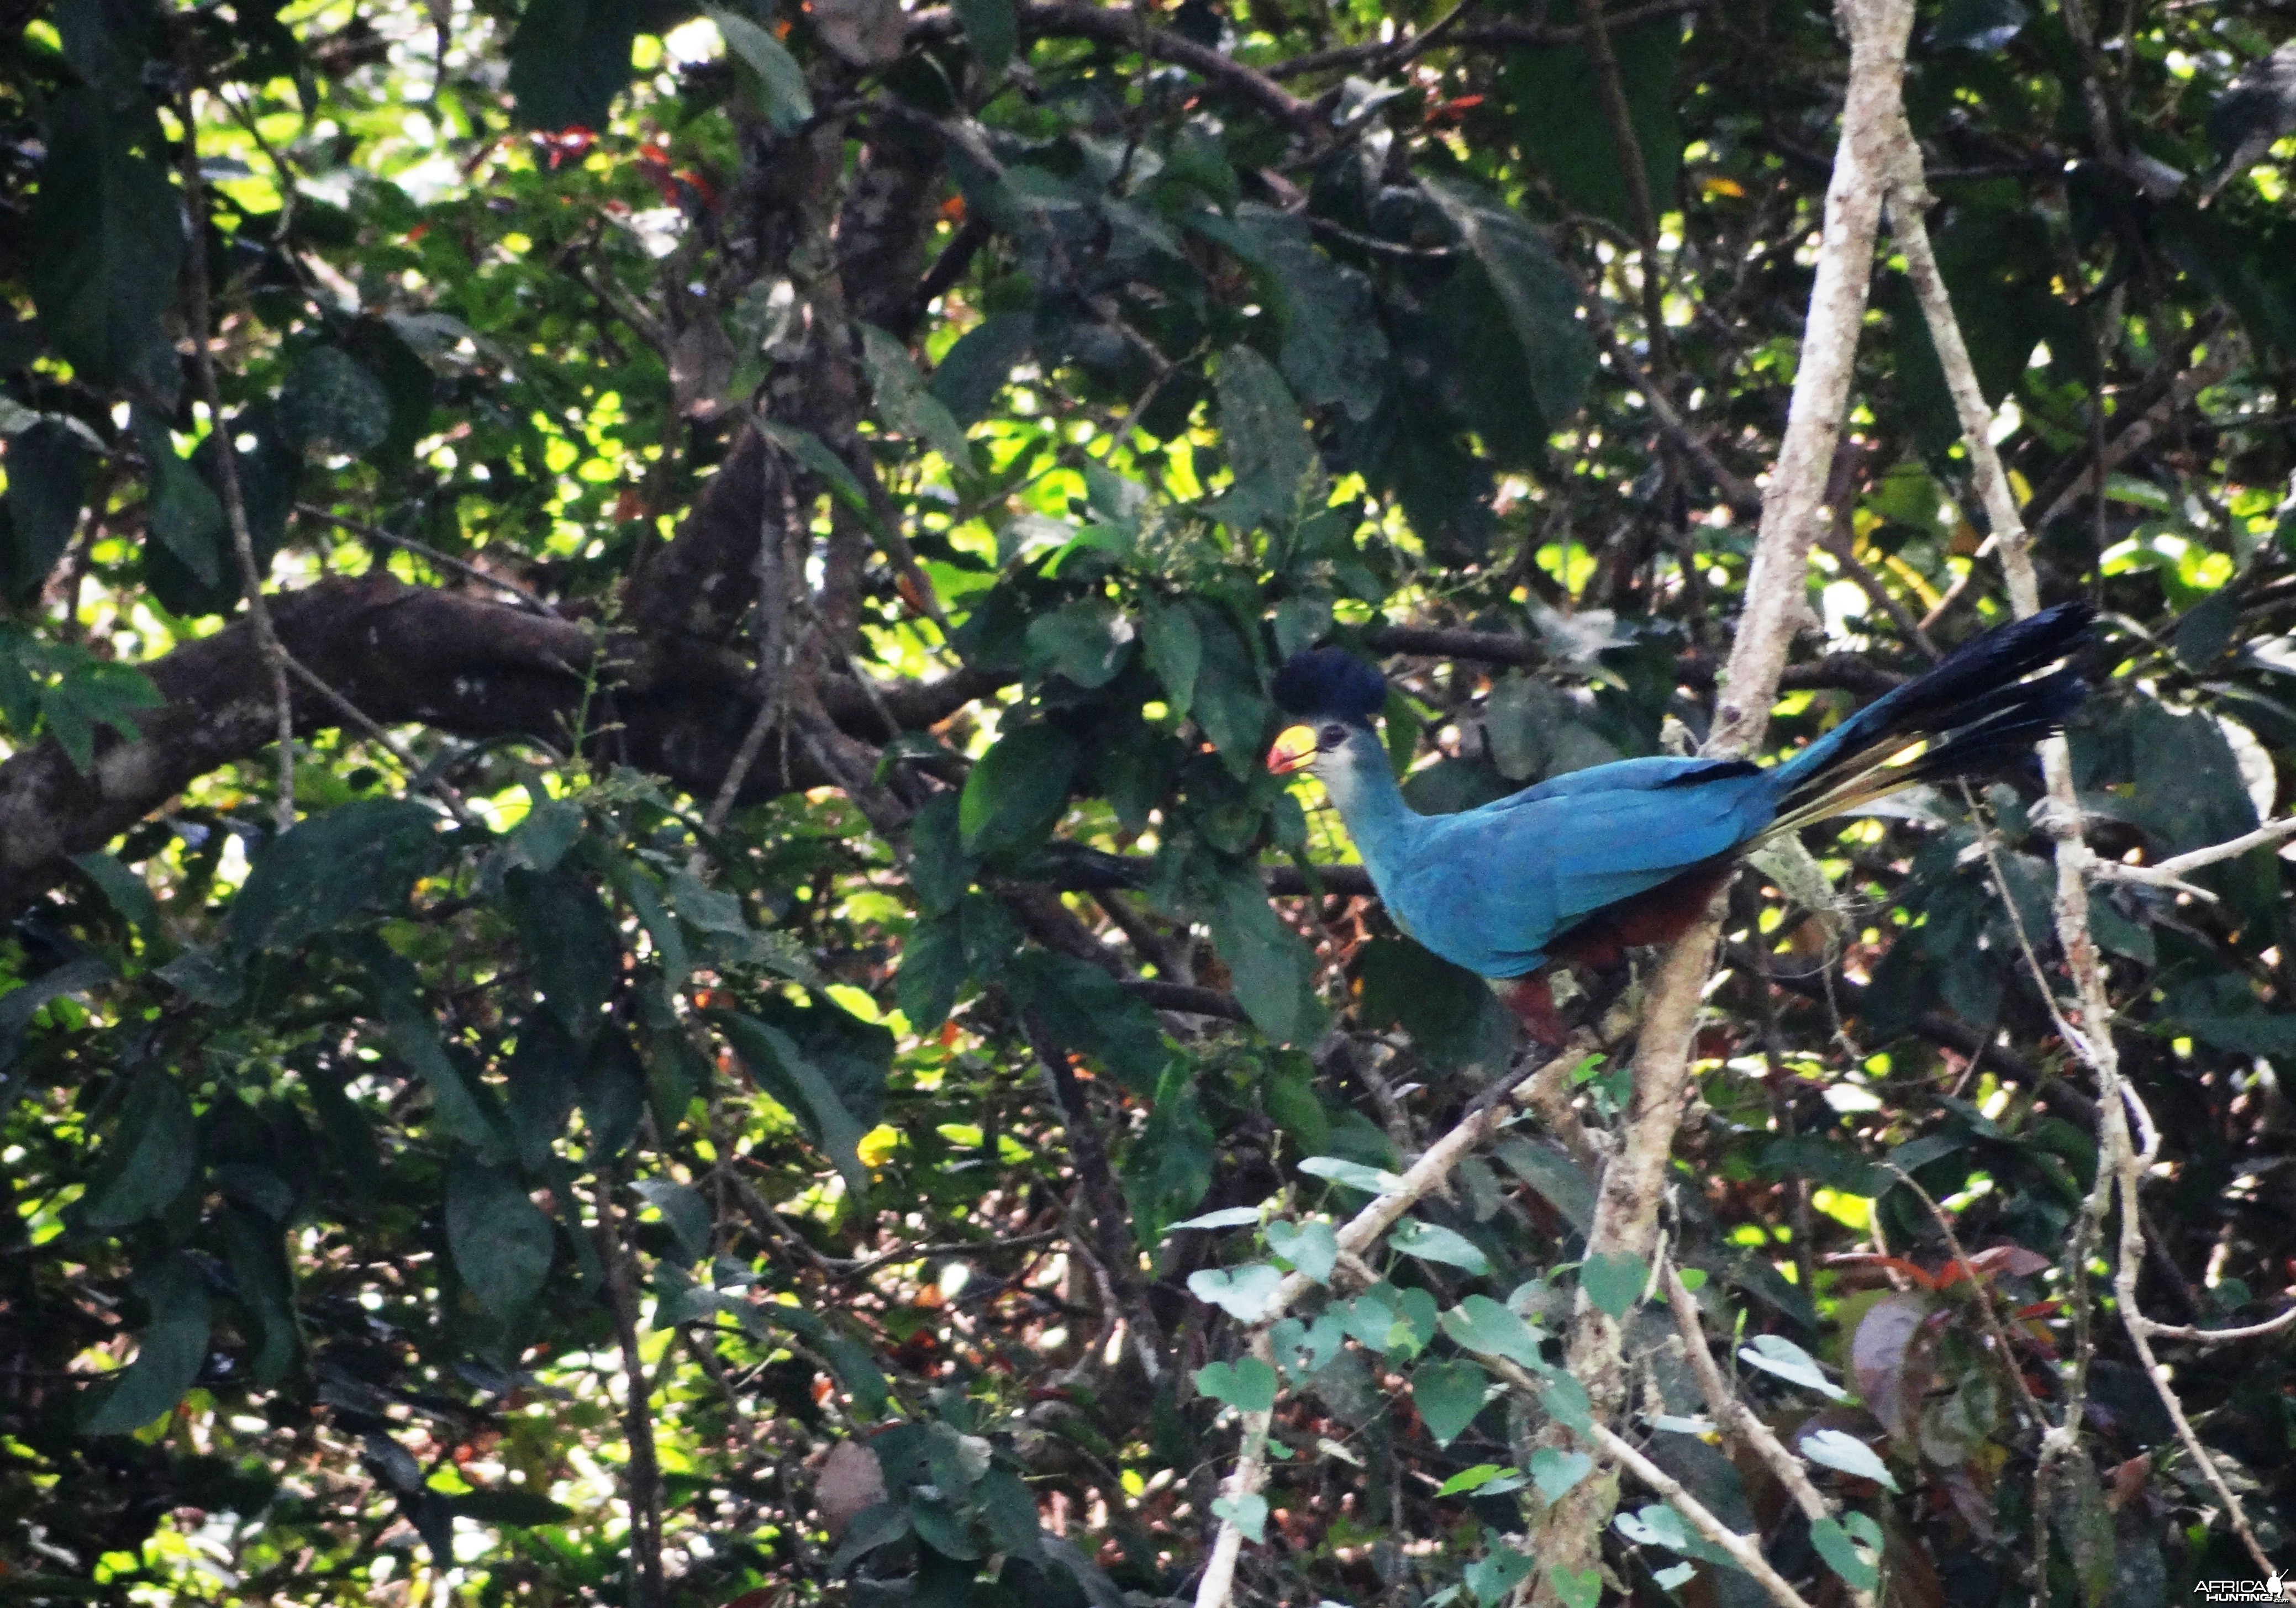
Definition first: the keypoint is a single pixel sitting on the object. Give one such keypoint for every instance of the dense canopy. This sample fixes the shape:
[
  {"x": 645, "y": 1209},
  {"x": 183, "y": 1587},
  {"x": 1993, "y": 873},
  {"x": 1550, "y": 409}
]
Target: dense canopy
[{"x": 649, "y": 959}]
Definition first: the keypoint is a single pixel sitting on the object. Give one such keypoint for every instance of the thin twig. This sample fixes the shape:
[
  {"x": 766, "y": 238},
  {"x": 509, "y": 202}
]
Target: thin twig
[
  {"x": 429, "y": 554},
  {"x": 642, "y": 1488},
  {"x": 1741, "y": 1421},
  {"x": 2122, "y": 1154},
  {"x": 197, "y": 312}
]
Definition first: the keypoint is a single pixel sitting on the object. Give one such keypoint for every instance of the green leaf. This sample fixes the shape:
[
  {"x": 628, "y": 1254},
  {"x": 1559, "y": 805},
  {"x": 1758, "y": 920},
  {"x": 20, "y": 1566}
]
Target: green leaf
[
  {"x": 1480, "y": 1324},
  {"x": 1017, "y": 790},
  {"x": 1167, "y": 1170},
  {"x": 1492, "y": 1577},
  {"x": 170, "y": 1350},
  {"x": 151, "y": 1157},
  {"x": 1334, "y": 351},
  {"x": 782, "y": 88},
  {"x": 881, "y": 1524},
  {"x": 686, "y": 1213},
  {"x": 104, "y": 240},
  {"x": 1556, "y": 1472},
  {"x": 125, "y": 887},
  {"x": 1540, "y": 300},
  {"x": 1266, "y": 448},
  {"x": 572, "y": 937},
  {"x": 1450, "y": 1014},
  {"x": 1576, "y": 1587},
  {"x": 932, "y": 968},
  {"x": 1568, "y": 1404},
  {"x": 1448, "y": 1395},
  {"x": 1859, "y": 1568},
  {"x": 992, "y": 31},
  {"x": 1176, "y": 653},
  {"x": 1271, "y": 968},
  {"x": 1248, "y": 1513},
  {"x": 815, "y": 453},
  {"x": 184, "y": 514},
  {"x": 1088, "y": 641},
  {"x": 1615, "y": 1283},
  {"x": 1352, "y": 1175},
  {"x": 1578, "y": 154},
  {"x": 1247, "y": 1384},
  {"x": 91, "y": 692},
  {"x": 1432, "y": 1242},
  {"x": 977, "y": 367},
  {"x": 904, "y": 401},
  {"x": 1244, "y": 1293},
  {"x": 1227, "y": 702},
  {"x": 1489, "y": 1478},
  {"x": 1087, "y": 1009},
  {"x": 47, "y": 485},
  {"x": 502, "y": 1241},
  {"x": 365, "y": 856},
  {"x": 1311, "y": 1247},
  {"x": 330, "y": 402},
  {"x": 792, "y": 1078},
  {"x": 1838, "y": 1449},
  {"x": 509, "y": 1504},
  {"x": 1775, "y": 1354},
  {"x": 569, "y": 59},
  {"x": 1549, "y": 1168}
]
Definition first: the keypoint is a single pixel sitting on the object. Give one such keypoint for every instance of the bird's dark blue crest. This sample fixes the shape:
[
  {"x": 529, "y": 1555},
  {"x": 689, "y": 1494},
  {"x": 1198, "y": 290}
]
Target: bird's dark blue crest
[{"x": 1330, "y": 681}]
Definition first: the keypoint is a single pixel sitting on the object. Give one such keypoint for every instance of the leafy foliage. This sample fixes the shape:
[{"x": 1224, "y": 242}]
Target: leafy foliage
[{"x": 789, "y": 1035}]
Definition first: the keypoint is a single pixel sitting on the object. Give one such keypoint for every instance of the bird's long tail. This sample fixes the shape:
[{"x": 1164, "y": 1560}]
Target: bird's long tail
[{"x": 1981, "y": 706}]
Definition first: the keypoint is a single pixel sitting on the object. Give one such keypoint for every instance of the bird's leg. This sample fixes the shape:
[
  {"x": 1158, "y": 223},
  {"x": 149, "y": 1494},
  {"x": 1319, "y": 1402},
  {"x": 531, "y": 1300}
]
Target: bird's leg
[{"x": 1532, "y": 1001}]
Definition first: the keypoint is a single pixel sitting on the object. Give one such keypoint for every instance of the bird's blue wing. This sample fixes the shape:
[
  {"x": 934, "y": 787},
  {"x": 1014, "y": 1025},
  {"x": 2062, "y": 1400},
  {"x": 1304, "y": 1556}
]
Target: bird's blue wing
[{"x": 1490, "y": 888}]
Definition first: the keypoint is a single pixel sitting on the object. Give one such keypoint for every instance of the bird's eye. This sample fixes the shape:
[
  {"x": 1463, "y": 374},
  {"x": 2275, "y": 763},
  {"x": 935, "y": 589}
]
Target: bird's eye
[{"x": 1332, "y": 736}]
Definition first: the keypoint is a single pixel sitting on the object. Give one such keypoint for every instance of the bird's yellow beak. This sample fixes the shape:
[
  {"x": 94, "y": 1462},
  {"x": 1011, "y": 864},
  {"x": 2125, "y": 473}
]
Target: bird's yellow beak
[{"x": 1295, "y": 748}]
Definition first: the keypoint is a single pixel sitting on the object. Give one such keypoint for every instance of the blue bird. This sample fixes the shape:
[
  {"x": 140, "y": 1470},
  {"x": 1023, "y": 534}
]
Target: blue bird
[{"x": 1581, "y": 868}]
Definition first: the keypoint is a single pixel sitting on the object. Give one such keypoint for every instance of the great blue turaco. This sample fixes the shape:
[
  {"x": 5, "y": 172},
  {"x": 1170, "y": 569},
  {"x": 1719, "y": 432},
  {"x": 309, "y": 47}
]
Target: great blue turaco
[{"x": 1583, "y": 866}]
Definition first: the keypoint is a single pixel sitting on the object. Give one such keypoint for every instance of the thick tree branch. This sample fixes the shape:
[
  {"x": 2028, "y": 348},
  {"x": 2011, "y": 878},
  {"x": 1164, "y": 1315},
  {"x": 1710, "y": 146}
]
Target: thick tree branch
[
  {"x": 1626, "y": 1206},
  {"x": 413, "y": 655}
]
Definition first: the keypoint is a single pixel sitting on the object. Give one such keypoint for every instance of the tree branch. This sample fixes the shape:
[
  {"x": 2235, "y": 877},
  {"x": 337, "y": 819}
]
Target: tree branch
[{"x": 1627, "y": 1205}]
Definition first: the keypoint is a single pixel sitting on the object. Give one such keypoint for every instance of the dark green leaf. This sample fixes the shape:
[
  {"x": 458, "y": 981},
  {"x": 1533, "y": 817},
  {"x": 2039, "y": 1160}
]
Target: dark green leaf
[
  {"x": 1087, "y": 1009},
  {"x": 365, "y": 856},
  {"x": 1614, "y": 1283},
  {"x": 171, "y": 1349},
  {"x": 780, "y": 82},
  {"x": 1832, "y": 1542},
  {"x": 1494, "y": 1575},
  {"x": 978, "y": 365},
  {"x": 1017, "y": 790},
  {"x": 572, "y": 938},
  {"x": 330, "y": 402},
  {"x": 502, "y": 1241},
  {"x": 1266, "y": 448},
  {"x": 1538, "y": 296},
  {"x": 509, "y": 1504},
  {"x": 151, "y": 1156},
  {"x": 686, "y": 1213},
  {"x": 1575, "y": 147},
  {"x": 792, "y": 1078},
  {"x": 47, "y": 483},
  {"x": 1247, "y": 1384},
  {"x": 1448, "y": 1395},
  {"x": 105, "y": 237},
  {"x": 1273, "y": 970},
  {"x": 569, "y": 59},
  {"x": 1087, "y": 641}
]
